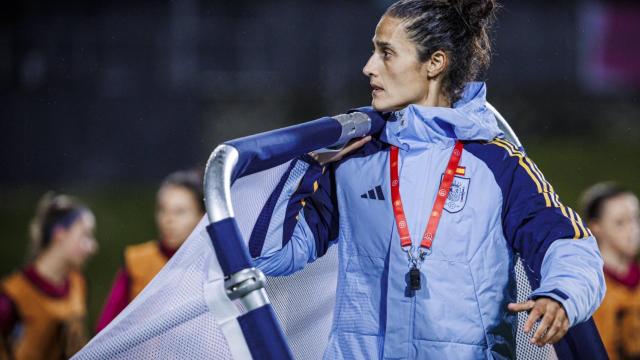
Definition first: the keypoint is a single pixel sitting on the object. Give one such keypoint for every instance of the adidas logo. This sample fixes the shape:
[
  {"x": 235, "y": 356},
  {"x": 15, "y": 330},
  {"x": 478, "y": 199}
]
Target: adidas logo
[{"x": 374, "y": 194}]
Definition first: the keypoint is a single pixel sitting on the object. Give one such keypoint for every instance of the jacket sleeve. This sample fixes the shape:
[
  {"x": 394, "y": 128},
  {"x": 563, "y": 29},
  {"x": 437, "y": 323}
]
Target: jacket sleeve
[
  {"x": 559, "y": 252},
  {"x": 299, "y": 221}
]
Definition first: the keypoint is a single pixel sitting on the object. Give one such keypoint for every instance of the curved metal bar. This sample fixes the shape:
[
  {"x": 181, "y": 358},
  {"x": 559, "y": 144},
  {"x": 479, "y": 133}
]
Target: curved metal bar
[
  {"x": 248, "y": 155},
  {"x": 504, "y": 126},
  {"x": 243, "y": 156},
  {"x": 217, "y": 182}
]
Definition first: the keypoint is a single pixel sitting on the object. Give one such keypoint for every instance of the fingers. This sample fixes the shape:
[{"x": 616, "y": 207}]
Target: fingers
[
  {"x": 558, "y": 329},
  {"x": 355, "y": 145},
  {"x": 547, "y": 320},
  {"x": 523, "y": 306},
  {"x": 564, "y": 327},
  {"x": 324, "y": 159},
  {"x": 554, "y": 324},
  {"x": 534, "y": 315},
  {"x": 553, "y": 330}
]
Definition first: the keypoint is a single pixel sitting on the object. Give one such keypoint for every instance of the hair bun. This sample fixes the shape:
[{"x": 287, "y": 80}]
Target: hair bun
[{"x": 476, "y": 13}]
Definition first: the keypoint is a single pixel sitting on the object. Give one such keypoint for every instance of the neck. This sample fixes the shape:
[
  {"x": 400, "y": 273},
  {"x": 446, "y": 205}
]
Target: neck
[
  {"x": 51, "y": 267},
  {"x": 435, "y": 96},
  {"x": 168, "y": 249},
  {"x": 615, "y": 261}
]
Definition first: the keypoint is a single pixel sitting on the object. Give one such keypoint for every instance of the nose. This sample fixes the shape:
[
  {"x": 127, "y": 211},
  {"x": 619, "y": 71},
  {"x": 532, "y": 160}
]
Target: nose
[
  {"x": 94, "y": 247},
  {"x": 367, "y": 70}
]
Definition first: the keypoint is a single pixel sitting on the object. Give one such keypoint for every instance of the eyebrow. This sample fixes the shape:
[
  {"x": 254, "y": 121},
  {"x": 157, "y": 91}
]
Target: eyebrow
[{"x": 382, "y": 44}]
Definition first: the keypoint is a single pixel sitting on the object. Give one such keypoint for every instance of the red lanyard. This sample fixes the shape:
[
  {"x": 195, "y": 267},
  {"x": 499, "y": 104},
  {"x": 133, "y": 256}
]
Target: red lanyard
[{"x": 438, "y": 206}]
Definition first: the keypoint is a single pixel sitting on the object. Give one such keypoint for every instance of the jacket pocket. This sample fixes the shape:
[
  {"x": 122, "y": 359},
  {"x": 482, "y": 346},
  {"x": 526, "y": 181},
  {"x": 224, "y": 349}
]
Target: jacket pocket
[
  {"x": 360, "y": 296},
  {"x": 447, "y": 307}
]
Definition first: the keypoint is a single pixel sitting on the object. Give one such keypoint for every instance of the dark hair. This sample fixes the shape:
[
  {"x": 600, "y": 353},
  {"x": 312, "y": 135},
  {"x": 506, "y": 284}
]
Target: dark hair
[
  {"x": 52, "y": 210},
  {"x": 593, "y": 198},
  {"x": 458, "y": 27},
  {"x": 190, "y": 180}
]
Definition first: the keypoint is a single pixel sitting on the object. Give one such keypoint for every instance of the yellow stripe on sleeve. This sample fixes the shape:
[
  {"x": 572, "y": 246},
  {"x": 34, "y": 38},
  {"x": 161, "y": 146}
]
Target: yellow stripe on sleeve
[
  {"x": 543, "y": 186},
  {"x": 546, "y": 187},
  {"x": 527, "y": 169},
  {"x": 510, "y": 145},
  {"x": 584, "y": 232},
  {"x": 555, "y": 201},
  {"x": 573, "y": 222},
  {"x": 584, "y": 229}
]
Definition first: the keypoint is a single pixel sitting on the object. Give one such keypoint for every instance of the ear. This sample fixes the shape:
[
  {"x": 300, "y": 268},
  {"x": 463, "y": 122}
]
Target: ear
[
  {"x": 57, "y": 233},
  {"x": 437, "y": 64}
]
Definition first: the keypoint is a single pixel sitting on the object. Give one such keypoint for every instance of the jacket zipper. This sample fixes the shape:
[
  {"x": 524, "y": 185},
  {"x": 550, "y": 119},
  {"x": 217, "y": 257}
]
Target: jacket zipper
[
  {"x": 411, "y": 327},
  {"x": 429, "y": 159}
]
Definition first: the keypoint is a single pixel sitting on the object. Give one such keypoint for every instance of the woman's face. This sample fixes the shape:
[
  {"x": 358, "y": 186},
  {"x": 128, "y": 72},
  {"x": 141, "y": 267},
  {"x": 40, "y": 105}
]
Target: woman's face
[
  {"x": 78, "y": 242},
  {"x": 177, "y": 214},
  {"x": 619, "y": 225},
  {"x": 396, "y": 75}
]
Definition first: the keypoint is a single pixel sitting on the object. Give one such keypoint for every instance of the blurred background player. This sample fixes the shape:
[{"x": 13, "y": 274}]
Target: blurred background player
[
  {"x": 613, "y": 217},
  {"x": 43, "y": 306},
  {"x": 179, "y": 208}
]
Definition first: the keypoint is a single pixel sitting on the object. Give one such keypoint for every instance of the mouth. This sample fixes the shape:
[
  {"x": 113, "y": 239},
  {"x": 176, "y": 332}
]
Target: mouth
[{"x": 376, "y": 89}]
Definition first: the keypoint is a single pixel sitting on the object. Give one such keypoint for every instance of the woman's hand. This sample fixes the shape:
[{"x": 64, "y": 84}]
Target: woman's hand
[
  {"x": 329, "y": 157},
  {"x": 554, "y": 324}
]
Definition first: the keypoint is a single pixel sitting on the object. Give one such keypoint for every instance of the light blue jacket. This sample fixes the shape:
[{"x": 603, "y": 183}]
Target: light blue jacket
[{"x": 500, "y": 205}]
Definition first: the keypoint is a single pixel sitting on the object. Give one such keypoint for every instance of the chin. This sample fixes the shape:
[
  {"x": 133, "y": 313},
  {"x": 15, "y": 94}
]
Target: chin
[
  {"x": 175, "y": 242},
  {"x": 385, "y": 108},
  {"x": 382, "y": 106},
  {"x": 377, "y": 106},
  {"x": 78, "y": 264}
]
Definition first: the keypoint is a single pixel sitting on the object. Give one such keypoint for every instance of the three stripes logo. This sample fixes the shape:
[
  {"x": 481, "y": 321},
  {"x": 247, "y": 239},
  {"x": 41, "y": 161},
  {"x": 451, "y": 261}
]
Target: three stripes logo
[{"x": 374, "y": 194}]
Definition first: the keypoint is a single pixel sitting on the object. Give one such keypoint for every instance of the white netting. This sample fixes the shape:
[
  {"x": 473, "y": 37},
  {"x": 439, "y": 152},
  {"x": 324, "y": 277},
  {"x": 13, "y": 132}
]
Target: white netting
[
  {"x": 170, "y": 319},
  {"x": 303, "y": 302},
  {"x": 524, "y": 349}
]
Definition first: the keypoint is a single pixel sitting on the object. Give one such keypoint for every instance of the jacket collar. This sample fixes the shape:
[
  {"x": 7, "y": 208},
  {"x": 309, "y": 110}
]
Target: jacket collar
[{"x": 420, "y": 127}]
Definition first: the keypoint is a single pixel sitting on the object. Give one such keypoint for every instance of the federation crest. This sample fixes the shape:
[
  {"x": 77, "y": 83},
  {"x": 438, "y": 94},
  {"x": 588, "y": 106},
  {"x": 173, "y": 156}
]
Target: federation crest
[{"x": 458, "y": 194}]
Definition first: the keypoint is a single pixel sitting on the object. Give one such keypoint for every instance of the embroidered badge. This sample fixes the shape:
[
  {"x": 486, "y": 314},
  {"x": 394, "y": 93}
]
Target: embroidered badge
[{"x": 457, "y": 198}]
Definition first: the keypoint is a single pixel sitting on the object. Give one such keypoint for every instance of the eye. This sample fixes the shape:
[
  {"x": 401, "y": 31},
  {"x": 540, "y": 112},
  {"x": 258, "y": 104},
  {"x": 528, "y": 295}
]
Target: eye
[
  {"x": 386, "y": 54},
  {"x": 620, "y": 222}
]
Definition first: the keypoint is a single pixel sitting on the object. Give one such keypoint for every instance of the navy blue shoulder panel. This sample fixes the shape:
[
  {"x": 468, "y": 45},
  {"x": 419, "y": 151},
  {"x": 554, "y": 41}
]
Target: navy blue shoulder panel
[
  {"x": 315, "y": 195},
  {"x": 532, "y": 215},
  {"x": 259, "y": 232},
  {"x": 321, "y": 212}
]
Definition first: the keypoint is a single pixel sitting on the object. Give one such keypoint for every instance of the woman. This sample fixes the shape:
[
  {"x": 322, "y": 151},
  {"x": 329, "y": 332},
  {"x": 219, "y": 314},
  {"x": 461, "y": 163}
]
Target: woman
[
  {"x": 179, "y": 208},
  {"x": 614, "y": 217},
  {"x": 439, "y": 168},
  {"x": 43, "y": 306}
]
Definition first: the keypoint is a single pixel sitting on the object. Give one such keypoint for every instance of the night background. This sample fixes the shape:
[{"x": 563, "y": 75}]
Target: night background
[{"x": 103, "y": 99}]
